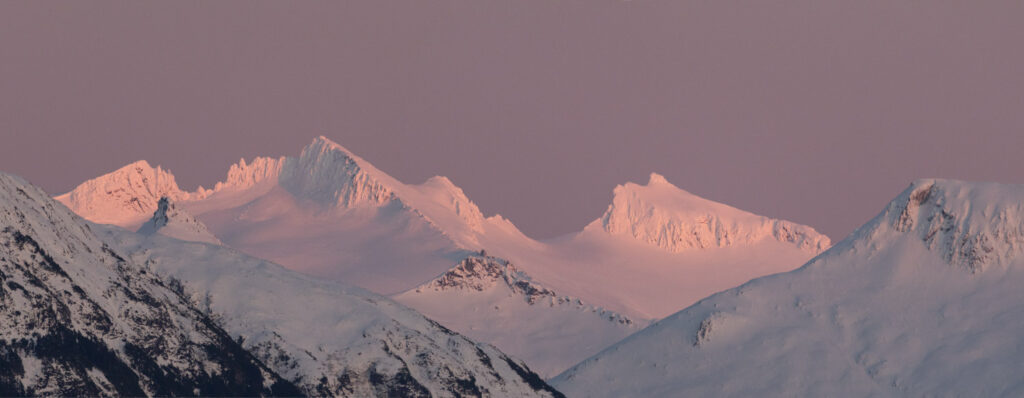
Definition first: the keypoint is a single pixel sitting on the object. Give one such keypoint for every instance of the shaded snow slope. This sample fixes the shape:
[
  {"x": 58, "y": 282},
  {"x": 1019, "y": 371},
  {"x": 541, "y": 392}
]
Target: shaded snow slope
[
  {"x": 489, "y": 299},
  {"x": 385, "y": 249},
  {"x": 78, "y": 319},
  {"x": 329, "y": 338},
  {"x": 924, "y": 300},
  {"x": 171, "y": 221}
]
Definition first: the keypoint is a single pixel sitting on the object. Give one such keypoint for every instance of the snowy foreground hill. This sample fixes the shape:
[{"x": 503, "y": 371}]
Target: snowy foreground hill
[
  {"x": 77, "y": 319},
  {"x": 330, "y": 339},
  {"x": 924, "y": 300},
  {"x": 331, "y": 214},
  {"x": 97, "y": 310}
]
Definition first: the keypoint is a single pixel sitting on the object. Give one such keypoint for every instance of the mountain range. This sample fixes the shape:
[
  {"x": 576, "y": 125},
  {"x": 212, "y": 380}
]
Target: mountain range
[
  {"x": 331, "y": 214},
  {"x": 94, "y": 309},
  {"x": 923, "y": 300},
  {"x": 391, "y": 289}
]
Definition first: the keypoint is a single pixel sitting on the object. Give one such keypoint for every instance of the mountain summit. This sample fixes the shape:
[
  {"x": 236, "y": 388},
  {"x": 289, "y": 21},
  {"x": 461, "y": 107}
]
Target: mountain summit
[
  {"x": 665, "y": 216},
  {"x": 970, "y": 225},
  {"x": 123, "y": 195},
  {"x": 328, "y": 173}
]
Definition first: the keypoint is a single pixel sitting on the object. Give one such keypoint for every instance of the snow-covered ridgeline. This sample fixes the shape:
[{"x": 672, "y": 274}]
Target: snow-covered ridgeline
[
  {"x": 329, "y": 174},
  {"x": 481, "y": 273},
  {"x": 663, "y": 215},
  {"x": 244, "y": 175},
  {"x": 125, "y": 193},
  {"x": 971, "y": 225},
  {"x": 489, "y": 299},
  {"x": 325, "y": 173}
]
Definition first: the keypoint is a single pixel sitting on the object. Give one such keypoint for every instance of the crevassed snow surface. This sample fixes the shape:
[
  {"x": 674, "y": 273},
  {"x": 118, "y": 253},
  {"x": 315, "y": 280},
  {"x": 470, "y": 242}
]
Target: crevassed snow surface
[{"x": 924, "y": 300}]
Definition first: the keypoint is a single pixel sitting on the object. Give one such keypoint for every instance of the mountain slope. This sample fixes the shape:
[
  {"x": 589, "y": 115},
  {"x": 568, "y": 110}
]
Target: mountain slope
[
  {"x": 78, "y": 319},
  {"x": 329, "y": 338},
  {"x": 487, "y": 298},
  {"x": 924, "y": 300},
  {"x": 169, "y": 220}
]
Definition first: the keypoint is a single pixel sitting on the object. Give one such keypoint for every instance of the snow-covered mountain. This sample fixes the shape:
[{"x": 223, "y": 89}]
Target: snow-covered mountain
[
  {"x": 665, "y": 216},
  {"x": 923, "y": 300},
  {"x": 489, "y": 299},
  {"x": 330, "y": 339},
  {"x": 330, "y": 214},
  {"x": 78, "y": 319},
  {"x": 94, "y": 310},
  {"x": 659, "y": 248},
  {"x": 125, "y": 196},
  {"x": 171, "y": 221}
]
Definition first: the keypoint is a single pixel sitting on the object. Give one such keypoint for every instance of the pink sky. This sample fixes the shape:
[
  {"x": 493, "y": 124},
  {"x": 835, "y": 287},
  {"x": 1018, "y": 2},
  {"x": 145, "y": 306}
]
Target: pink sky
[{"x": 814, "y": 111}]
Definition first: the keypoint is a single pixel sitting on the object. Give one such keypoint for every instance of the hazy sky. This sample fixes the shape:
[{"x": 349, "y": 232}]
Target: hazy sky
[{"x": 814, "y": 111}]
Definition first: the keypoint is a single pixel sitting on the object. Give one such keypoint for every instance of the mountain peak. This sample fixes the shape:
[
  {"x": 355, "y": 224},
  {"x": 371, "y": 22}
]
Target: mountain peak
[
  {"x": 442, "y": 182},
  {"x": 329, "y": 174},
  {"x": 658, "y": 179},
  {"x": 666, "y": 216},
  {"x": 138, "y": 164},
  {"x": 971, "y": 225},
  {"x": 323, "y": 144},
  {"x": 122, "y": 196}
]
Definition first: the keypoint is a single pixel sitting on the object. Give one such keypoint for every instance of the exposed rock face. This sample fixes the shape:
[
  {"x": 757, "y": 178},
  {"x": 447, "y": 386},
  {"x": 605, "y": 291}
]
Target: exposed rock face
[
  {"x": 480, "y": 273},
  {"x": 969, "y": 225},
  {"x": 486, "y": 297},
  {"x": 80, "y": 320},
  {"x": 171, "y": 221}
]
